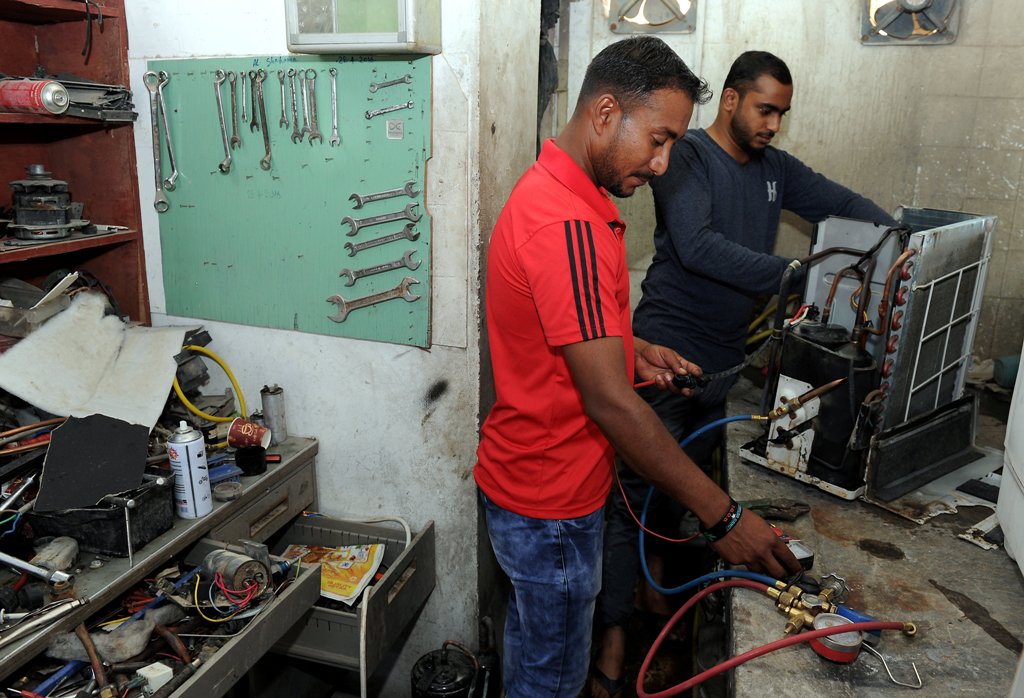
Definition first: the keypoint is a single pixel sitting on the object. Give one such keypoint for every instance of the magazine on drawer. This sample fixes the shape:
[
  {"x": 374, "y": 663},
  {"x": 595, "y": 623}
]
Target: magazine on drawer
[{"x": 344, "y": 571}]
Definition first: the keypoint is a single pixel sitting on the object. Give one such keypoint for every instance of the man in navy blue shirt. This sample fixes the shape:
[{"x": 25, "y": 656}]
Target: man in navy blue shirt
[{"x": 717, "y": 215}]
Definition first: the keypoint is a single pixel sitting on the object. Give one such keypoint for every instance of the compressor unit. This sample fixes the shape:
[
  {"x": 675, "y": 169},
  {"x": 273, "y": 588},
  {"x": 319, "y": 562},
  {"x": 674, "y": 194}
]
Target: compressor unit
[{"x": 891, "y": 313}]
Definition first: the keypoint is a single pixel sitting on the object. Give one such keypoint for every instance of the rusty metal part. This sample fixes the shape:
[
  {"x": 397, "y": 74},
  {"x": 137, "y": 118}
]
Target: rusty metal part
[
  {"x": 94, "y": 658},
  {"x": 174, "y": 642},
  {"x": 347, "y": 306}
]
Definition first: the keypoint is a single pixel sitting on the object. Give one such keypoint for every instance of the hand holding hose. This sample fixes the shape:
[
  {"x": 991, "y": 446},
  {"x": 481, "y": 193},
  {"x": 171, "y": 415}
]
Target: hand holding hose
[
  {"x": 658, "y": 365},
  {"x": 751, "y": 542}
]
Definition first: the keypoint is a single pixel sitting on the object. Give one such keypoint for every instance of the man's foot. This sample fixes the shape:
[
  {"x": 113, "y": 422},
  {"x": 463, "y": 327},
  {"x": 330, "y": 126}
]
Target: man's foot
[{"x": 600, "y": 686}]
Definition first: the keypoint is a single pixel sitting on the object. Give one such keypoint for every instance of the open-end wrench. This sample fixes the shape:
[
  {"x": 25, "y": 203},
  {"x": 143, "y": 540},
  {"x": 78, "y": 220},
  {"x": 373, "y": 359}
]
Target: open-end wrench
[
  {"x": 236, "y": 140},
  {"x": 254, "y": 124},
  {"x": 361, "y": 199},
  {"x": 406, "y": 261},
  {"x": 261, "y": 75},
  {"x": 335, "y": 138},
  {"x": 241, "y": 77},
  {"x": 218, "y": 80},
  {"x": 296, "y": 133},
  {"x": 345, "y": 307},
  {"x": 314, "y": 127},
  {"x": 385, "y": 110},
  {"x": 305, "y": 104},
  {"x": 283, "y": 123},
  {"x": 165, "y": 78},
  {"x": 152, "y": 80},
  {"x": 406, "y": 233},
  {"x": 408, "y": 213},
  {"x": 374, "y": 86}
]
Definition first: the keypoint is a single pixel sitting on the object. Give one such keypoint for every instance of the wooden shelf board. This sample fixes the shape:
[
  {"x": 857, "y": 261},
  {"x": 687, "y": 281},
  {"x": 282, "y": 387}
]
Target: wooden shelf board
[
  {"x": 48, "y": 11},
  {"x": 46, "y": 249}
]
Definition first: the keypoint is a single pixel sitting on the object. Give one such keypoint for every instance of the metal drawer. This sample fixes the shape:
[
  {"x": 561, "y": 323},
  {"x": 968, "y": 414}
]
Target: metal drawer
[{"x": 278, "y": 505}]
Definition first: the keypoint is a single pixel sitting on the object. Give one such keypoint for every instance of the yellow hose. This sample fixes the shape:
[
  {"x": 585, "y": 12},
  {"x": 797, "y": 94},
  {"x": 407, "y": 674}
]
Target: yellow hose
[{"x": 231, "y": 377}]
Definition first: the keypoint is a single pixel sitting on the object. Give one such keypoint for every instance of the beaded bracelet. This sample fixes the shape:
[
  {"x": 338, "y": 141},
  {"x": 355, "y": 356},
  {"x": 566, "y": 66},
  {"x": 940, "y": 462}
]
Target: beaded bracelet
[{"x": 725, "y": 524}]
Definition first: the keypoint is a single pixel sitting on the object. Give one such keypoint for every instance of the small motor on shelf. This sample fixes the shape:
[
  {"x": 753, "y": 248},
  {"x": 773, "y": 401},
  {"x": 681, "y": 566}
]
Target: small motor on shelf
[{"x": 43, "y": 209}]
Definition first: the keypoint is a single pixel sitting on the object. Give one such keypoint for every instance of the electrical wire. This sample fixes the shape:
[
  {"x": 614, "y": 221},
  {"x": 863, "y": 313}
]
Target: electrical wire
[
  {"x": 748, "y": 655},
  {"x": 227, "y": 371}
]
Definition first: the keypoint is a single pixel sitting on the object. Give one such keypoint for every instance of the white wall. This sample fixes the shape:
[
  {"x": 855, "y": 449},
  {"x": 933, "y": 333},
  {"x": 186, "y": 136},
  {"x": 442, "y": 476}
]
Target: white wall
[
  {"x": 385, "y": 448},
  {"x": 930, "y": 126}
]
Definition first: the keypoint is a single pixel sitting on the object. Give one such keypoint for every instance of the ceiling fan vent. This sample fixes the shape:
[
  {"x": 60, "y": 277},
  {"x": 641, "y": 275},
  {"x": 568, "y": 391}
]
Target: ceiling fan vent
[{"x": 908, "y": 22}]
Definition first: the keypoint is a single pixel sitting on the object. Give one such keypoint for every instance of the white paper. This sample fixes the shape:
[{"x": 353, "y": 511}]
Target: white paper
[{"x": 81, "y": 362}]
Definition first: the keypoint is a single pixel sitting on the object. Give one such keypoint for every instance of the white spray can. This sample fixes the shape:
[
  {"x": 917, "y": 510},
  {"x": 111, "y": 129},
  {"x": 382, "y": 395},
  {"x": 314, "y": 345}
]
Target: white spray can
[{"x": 187, "y": 454}]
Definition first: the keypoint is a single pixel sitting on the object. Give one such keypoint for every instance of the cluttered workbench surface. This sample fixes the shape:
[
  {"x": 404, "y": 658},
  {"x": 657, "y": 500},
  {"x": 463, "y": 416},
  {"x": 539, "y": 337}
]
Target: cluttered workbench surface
[{"x": 963, "y": 599}]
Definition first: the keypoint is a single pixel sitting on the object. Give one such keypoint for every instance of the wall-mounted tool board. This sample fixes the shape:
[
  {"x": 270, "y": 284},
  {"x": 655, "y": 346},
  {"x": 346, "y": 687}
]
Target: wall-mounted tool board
[{"x": 268, "y": 247}]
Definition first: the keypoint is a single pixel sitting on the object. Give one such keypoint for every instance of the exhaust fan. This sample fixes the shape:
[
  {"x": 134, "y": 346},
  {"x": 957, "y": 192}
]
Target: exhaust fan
[{"x": 904, "y": 22}]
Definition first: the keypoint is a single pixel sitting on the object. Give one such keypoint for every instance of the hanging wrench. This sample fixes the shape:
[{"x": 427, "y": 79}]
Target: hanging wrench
[
  {"x": 335, "y": 138},
  {"x": 152, "y": 80},
  {"x": 235, "y": 138},
  {"x": 305, "y": 104},
  {"x": 386, "y": 110},
  {"x": 314, "y": 128},
  {"x": 254, "y": 124},
  {"x": 296, "y": 134},
  {"x": 374, "y": 86},
  {"x": 408, "y": 213},
  {"x": 406, "y": 261},
  {"x": 283, "y": 123},
  {"x": 261, "y": 75},
  {"x": 218, "y": 80},
  {"x": 164, "y": 79},
  {"x": 345, "y": 307},
  {"x": 241, "y": 77},
  {"x": 361, "y": 199},
  {"x": 407, "y": 233}
]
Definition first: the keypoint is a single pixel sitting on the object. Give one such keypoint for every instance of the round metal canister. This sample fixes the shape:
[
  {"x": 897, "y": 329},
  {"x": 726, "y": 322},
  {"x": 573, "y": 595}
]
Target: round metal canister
[
  {"x": 443, "y": 674},
  {"x": 841, "y": 647},
  {"x": 239, "y": 571},
  {"x": 33, "y": 96},
  {"x": 273, "y": 413},
  {"x": 187, "y": 453}
]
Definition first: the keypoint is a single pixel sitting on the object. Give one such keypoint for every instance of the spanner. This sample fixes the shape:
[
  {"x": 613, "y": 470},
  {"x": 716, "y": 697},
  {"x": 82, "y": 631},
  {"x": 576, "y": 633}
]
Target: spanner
[
  {"x": 345, "y": 307},
  {"x": 218, "y": 80},
  {"x": 261, "y": 75},
  {"x": 305, "y": 104},
  {"x": 335, "y": 138},
  {"x": 374, "y": 86},
  {"x": 406, "y": 261},
  {"x": 408, "y": 213},
  {"x": 314, "y": 127},
  {"x": 241, "y": 77},
  {"x": 151, "y": 80},
  {"x": 283, "y": 123},
  {"x": 361, "y": 199},
  {"x": 164, "y": 79},
  {"x": 407, "y": 233},
  {"x": 254, "y": 125},
  {"x": 296, "y": 134},
  {"x": 385, "y": 110},
  {"x": 236, "y": 140}
]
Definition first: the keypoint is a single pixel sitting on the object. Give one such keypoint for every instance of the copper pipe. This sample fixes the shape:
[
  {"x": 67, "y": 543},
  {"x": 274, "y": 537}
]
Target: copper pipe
[
  {"x": 94, "y": 658},
  {"x": 883, "y": 305},
  {"x": 174, "y": 642},
  {"x": 826, "y": 310}
]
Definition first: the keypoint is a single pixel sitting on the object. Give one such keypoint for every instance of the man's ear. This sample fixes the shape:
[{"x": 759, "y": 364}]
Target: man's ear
[
  {"x": 605, "y": 110},
  {"x": 730, "y": 99}
]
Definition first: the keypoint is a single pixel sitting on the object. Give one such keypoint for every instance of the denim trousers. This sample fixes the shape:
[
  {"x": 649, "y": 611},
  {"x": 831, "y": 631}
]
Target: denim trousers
[{"x": 555, "y": 569}]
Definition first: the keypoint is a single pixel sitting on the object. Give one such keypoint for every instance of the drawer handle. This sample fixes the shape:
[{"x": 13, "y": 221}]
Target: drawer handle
[
  {"x": 402, "y": 581},
  {"x": 259, "y": 524}
]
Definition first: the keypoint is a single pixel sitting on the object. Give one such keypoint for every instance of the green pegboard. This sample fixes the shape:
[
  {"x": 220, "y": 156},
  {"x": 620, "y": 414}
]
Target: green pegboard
[{"x": 267, "y": 247}]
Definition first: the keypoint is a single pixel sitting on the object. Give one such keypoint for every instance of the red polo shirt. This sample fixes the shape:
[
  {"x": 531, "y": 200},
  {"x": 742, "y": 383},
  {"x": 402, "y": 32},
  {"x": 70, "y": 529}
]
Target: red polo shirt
[{"x": 556, "y": 275}]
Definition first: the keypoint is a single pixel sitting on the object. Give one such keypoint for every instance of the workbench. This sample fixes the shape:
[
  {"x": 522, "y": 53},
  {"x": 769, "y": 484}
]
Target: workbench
[
  {"x": 268, "y": 502},
  {"x": 965, "y": 600}
]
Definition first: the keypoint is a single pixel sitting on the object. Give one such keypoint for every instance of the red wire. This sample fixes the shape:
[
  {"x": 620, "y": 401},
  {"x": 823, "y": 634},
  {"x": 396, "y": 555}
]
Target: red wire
[
  {"x": 749, "y": 654},
  {"x": 633, "y": 514}
]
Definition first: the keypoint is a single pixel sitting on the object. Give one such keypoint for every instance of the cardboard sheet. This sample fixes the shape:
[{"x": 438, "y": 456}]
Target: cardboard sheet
[{"x": 82, "y": 363}]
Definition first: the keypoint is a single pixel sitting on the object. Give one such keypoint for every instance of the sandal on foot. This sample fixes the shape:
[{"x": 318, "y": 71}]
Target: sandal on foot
[{"x": 612, "y": 687}]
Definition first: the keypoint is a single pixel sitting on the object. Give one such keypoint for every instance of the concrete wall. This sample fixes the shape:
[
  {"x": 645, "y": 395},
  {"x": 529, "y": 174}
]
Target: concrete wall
[
  {"x": 929, "y": 126},
  {"x": 397, "y": 425}
]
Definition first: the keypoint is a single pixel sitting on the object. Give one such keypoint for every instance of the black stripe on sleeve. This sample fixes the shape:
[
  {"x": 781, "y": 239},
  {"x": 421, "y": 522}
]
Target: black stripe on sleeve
[
  {"x": 586, "y": 293},
  {"x": 575, "y": 279}
]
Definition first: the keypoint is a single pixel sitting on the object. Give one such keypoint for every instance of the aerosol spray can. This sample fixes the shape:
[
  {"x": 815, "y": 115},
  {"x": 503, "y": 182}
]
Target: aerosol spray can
[
  {"x": 33, "y": 96},
  {"x": 273, "y": 413},
  {"x": 187, "y": 453}
]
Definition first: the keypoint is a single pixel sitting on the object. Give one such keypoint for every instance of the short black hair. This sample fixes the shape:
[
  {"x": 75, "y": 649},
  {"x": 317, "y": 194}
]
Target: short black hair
[
  {"x": 632, "y": 69},
  {"x": 750, "y": 65}
]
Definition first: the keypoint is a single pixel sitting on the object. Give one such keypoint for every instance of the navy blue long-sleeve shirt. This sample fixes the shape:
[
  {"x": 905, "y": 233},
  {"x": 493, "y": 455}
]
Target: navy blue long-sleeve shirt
[{"x": 716, "y": 222}]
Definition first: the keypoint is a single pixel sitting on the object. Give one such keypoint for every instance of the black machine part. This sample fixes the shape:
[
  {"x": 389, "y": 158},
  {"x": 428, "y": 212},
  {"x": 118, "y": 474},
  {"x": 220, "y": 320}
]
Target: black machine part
[{"x": 445, "y": 673}]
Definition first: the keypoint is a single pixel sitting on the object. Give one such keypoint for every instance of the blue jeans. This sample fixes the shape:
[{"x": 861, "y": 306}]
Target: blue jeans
[{"x": 555, "y": 568}]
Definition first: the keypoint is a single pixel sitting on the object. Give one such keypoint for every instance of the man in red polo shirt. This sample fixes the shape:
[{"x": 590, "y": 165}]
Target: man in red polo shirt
[{"x": 564, "y": 360}]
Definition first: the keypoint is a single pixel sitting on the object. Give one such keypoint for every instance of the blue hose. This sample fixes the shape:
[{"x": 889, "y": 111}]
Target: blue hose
[{"x": 743, "y": 574}]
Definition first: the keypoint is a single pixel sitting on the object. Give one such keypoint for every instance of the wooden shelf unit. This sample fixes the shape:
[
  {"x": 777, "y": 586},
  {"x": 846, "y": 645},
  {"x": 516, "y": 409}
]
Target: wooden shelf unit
[{"x": 95, "y": 158}]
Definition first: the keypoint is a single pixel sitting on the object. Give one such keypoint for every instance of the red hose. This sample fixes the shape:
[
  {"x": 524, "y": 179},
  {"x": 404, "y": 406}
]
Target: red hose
[{"x": 748, "y": 655}]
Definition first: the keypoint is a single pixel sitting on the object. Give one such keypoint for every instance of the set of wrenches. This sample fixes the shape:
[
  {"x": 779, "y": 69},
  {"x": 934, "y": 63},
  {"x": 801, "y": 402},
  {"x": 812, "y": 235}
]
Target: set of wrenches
[
  {"x": 408, "y": 233},
  {"x": 155, "y": 83}
]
